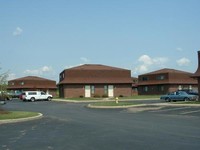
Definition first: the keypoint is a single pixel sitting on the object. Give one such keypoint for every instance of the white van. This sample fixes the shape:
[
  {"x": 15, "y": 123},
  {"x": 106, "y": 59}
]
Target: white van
[{"x": 35, "y": 95}]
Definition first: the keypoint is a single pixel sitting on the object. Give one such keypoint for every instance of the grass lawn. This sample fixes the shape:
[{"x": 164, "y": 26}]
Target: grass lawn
[
  {"x": 113, "y": 103},
  {"x": 17, "y": 115},
  {"x": 122, "y": 98},
  {"x": 188, "y": 102}
]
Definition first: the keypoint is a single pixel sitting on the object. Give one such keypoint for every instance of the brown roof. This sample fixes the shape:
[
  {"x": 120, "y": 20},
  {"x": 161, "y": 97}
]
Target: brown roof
[
  {"x": 166, "y": 70},
  {"x": 31, "y": 82},
  {"x": 174, "y": 77},
  {"x": 100, "y": 74},
  {"x": 32, "y": 78},
  {"x": 95, "y": 67}
]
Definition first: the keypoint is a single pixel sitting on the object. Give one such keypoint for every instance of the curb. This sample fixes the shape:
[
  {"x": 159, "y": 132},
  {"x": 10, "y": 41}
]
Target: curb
[
  {"x": 21, "y": 119},
  {"x": 142, "y": 105},
  {"x": 115, "y": 107},
  {"x": 99, "y": 100}
]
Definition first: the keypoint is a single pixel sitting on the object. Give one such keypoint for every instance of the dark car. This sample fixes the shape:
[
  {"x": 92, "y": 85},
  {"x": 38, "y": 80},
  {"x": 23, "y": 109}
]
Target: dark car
[
  {"x": 191, "y": 92},
  {"x": 179, "y": 96}
]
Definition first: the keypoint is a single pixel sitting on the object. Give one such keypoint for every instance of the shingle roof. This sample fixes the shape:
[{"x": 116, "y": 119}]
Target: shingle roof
[
  {"x": 99, "y": 74},
  {"x": 31, "y": 82},
  {"x": 33, "y": 78},
  {"x": 174, "y": 77},
  {"x": 166, "y": 70},
  {"x": 95, "y": 67}
]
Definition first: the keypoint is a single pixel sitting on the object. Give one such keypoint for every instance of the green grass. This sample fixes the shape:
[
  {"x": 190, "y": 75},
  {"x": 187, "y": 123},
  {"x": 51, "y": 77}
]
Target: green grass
[
  {"x": 17, "y": 115},
  {"x": 141, "y": 97},
  {"x": 188, "y": 102},
  {"x": 125, "y": 98},
  {"x": 113, "y": 103}
]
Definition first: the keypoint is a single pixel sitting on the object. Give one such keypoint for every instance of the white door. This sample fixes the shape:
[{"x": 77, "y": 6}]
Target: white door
[
  {"x": 87, "y": 91},
  {"x": 110, "y": 91}
]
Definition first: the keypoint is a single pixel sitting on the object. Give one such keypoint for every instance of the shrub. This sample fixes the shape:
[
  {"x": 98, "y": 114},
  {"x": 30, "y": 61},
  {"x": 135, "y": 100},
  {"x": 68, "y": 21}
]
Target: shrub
[
  {"x": 105, "y": 96},
  {"x": 97, "y": 96},
  {"x": 81, "y": 96},
  {"x": 121, "y": 95}
]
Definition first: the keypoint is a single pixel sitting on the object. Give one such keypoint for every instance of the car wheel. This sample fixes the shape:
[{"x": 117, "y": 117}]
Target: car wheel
[
  {"x": 49, "y": 98},
  {"x": 168, "y": 99},
  {"x": 32, "y": 99},
  {"x": 186, "y": 99}
]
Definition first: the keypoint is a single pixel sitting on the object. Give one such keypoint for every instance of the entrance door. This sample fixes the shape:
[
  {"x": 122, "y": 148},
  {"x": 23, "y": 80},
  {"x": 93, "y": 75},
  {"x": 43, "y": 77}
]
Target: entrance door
[
  {"x": 110, "y": 91},
  {"x": 87, "y": 91}
]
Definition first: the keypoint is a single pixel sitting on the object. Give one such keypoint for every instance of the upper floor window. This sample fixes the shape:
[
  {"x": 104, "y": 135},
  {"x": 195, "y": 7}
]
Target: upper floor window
[
  {"x": 160, "y": 77},
  {"x": 144, "y": 78},
  {"x": 21, "y": 83}
]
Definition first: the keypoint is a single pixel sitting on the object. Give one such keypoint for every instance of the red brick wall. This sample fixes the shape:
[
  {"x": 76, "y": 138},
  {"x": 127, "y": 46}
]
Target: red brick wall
[
  {"x": 79, "y": 90},
  {"x": 73, "y": 91},
  {"x": 123, "y": 90}
]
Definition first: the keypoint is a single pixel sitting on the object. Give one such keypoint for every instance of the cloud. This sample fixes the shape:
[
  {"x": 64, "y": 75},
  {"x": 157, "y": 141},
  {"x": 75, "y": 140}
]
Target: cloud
[
  {"x": 11, "y": 76},
  {"x": 179, "y": 49},
  {"x": 18, "y": 31},
  {"x": 41, "y": 71},
  {"x": 183, "y": 62},
  {"x": 86, "y": 60},
  {"x": 146, "y": 63}
]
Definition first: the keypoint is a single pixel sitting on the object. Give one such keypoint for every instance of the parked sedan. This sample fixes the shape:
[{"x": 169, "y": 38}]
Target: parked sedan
[{"x": 179, "y": 96}]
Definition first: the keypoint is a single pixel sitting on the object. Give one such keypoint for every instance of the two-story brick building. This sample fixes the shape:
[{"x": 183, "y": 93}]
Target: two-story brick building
[
  {"x": 95, "y": 81},
  {"x": 29, "y": 83},
  {"x": 164, "y": 81}
]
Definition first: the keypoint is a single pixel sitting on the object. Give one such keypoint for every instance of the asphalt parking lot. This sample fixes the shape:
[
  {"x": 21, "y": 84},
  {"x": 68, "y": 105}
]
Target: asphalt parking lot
[{"x": 75, "y": 127}]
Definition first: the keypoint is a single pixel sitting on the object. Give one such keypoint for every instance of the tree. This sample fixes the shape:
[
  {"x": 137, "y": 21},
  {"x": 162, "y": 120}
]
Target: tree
[{"x": 3, "y": 82}]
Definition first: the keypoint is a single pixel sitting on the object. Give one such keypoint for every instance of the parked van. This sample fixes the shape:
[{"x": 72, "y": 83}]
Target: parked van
[{"x": 35, "y": 95}]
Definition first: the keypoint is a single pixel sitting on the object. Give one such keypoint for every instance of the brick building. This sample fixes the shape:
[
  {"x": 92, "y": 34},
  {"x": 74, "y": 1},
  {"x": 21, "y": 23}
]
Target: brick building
[
  {"x": 32, "y": 83},
  {"x": 95, "y": 81},
  {"x": 164, "y": 81}
]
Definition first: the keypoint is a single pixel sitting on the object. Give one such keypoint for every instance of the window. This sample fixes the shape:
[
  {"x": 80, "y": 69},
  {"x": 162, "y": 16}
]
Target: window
[
  {"x": 32, "y": 93},
  {"x": 161, "y": 88},
  {"x": 144, "y": 78},
  {"x": 22, "y": 83},
  {"x": 145, "y": 89},
  {"x": 105, "y": 89},
  {"x": 92, "y": 89},
  {"x": 160, "y": 77},
  {"x": 180, "y": 87},
  {"x": 43, "y": 93}
]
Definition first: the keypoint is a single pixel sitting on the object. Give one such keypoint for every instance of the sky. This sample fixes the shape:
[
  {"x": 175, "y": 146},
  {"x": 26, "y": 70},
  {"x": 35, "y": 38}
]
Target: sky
[{"x": 44, "y": 37}]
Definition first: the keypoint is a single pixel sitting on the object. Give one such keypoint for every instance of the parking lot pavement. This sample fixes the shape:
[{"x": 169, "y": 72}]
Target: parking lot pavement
[
  {"x": 75, "y": 127},
  {"x": 169, "y": 110}
]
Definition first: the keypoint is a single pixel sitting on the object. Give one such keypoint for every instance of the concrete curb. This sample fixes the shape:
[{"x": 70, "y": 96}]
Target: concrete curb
[
  {"x": 115, "y": 107},
  {"x": 142, "y": 105},
  {"x": 21, "y": 119},
  {"x": 174, "y": 104},
  {"x": 99, "y": 100}
]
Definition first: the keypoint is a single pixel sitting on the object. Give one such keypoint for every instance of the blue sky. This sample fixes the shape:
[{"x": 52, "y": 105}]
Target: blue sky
[{"x": 44, "y": 37}]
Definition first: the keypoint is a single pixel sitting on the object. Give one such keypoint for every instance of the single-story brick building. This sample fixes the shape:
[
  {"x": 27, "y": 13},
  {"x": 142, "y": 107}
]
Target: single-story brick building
[
  {"x": 32, "y": 83},
  {"x": 95, "y": 81},
  {"x": 164, "y": 81}
]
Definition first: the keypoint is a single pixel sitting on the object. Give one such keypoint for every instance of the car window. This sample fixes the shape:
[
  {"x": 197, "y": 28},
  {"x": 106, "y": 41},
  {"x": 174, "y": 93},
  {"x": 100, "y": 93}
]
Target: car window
[{"x": 32, "y": 93}]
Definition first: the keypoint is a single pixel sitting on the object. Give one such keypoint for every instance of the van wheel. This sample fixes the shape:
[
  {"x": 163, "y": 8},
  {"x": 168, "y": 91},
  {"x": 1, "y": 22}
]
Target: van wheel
[
  {"x": 49, "y": 98},
  {"x": 32, "y": 99}
]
